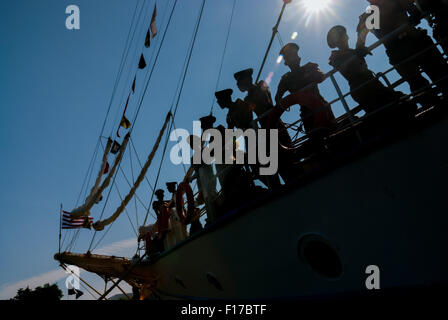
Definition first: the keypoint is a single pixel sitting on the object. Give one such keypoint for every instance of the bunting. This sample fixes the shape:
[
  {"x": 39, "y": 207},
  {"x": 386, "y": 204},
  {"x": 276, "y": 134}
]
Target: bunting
[
  {"x": 148, "y": 39},
  {"x": 106, "y": 168},
  {"x": 133, "y": 84},
  {"x": 115, "y": 147},
  {"x": 153, "y": 25},
  {"x": 125, "y": 123},
  {"x": 142, "y": 62}
]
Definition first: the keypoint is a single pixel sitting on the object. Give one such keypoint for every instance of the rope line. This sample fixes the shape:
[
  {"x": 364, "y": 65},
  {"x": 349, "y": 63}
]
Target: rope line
[
  {"x": 153, "y": 67},
  {"x": 224, "y": 54},
  {"x": 178, "y": 99}
]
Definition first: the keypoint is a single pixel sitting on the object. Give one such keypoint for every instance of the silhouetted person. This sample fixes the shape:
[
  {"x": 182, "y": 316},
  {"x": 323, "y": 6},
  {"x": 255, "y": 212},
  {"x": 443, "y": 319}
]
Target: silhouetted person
[
  {"x": 365, "y": 88},
  {"x": 305, "y": 79},
  {"x": 260, "y": 101},
  {"x": 402, "y": 48},
  {"x": 239, "y": 115},
  {"x": 438, "y": 20},
  {"x": 236, "y": 182},
  {"x": 160, "y": 194},
  {"x": 206, "y": 180}
]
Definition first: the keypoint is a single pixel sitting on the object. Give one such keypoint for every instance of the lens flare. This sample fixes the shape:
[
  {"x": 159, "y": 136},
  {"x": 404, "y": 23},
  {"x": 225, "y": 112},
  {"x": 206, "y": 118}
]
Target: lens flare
[
  {"x": 315, "y": 6},
  {"x": 279, "y": 59},
  {"x": 294, "y": 35}
]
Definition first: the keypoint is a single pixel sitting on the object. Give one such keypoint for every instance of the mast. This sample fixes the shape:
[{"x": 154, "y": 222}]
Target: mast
[
  {"x": 274, "y": 32},
  {"x": 60, "y": 227}
]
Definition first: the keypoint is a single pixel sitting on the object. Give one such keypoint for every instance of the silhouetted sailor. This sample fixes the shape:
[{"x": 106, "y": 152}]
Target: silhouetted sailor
[
  {"x": 206, "y": 180},
  {"x": 405, "y": 51},
  {"x": 160, "y": 194},
  {"x": 239, "y": 115},
  {"x": 303, "y": 80},
  {"x": 438, "y": 20},
  {"x": 260, "y": 101},
  {"x": 160, "y": 206},
  {"x": 365, "y": 88},
  {"x": 235, "y": 181}
]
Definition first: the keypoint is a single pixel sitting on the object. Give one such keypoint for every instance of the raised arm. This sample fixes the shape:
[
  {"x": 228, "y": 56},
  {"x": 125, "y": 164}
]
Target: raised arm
[{"x": 362, "y": 31}]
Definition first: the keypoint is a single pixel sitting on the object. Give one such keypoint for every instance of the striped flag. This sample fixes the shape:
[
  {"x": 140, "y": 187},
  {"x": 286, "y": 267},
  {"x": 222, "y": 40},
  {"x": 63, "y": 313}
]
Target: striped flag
[{"x": 69, "y": 223}]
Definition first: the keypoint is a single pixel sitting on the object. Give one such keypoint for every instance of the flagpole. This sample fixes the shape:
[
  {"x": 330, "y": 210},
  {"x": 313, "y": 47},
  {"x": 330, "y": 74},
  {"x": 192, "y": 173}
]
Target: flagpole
[
  {"x": 274, "y": 32},
  {"x": 60, "y": 226}
]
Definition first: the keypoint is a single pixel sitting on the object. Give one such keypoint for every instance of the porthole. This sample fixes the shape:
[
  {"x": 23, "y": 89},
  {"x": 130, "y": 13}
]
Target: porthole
[
  {"x": 320, "y": 255},
  {"x": 179, "y": 282},
  {"x": 211, "y": 278}
]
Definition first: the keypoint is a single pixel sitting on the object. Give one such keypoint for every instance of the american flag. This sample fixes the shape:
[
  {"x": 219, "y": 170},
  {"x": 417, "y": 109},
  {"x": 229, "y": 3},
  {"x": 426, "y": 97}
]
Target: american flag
[{"x": 69, "y": 223}]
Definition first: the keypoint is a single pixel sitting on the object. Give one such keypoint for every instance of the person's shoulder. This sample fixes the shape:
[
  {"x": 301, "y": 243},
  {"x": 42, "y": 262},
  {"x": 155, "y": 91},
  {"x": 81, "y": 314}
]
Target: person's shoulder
[
  {"x": 337, "y": 57},
  {"x": 310, "y": 66},
  {"x": 285, "y": 78}
]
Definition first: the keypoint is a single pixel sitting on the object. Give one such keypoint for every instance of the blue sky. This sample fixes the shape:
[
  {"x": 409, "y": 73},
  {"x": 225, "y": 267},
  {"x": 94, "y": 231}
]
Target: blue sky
[{"x": 56, "y": 85}]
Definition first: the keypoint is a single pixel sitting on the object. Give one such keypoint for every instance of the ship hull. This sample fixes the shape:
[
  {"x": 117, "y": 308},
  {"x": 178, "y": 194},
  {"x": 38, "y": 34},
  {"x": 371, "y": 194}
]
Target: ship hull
[{"x": 387, "y": 209}]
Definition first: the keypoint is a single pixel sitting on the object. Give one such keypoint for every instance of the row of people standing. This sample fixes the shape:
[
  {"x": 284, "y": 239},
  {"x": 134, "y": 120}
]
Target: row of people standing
[{"x": 411, "y": 52}]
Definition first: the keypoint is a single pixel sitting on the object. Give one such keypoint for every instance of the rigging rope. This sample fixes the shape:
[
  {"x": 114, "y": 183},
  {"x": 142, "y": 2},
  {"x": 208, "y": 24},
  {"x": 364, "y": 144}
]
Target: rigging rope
[
  {"x": 88, "y": 171},
  {"x": 133, "y": 71},
  {"x": 126, "y": 211},
  {"x": 118, "y": 76},
  {"x": 141, "y": 100},
  {"x": 113, "y": 173},
  {"x": 133, "y": 181},
  {"x": 99, "y": 225},
  {"x": 140, "y": 163},
  {"x": 130, "y": 186},
  {"x": 224, "y": 53},
  {"x": 83, "y": 210},
  {"x": 178, "y": 99},
  {"x": 153, "y": 67}
]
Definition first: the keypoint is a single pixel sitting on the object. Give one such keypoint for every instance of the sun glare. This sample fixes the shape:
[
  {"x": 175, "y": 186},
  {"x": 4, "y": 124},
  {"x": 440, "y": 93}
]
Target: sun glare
[{"x": 315, "y": 6}]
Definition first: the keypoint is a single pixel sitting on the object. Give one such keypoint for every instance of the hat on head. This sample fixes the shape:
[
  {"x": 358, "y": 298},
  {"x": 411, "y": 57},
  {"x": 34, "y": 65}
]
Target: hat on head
[
  {"x": 334, "y": 35},
  {"x": 289, "y": 47},
  {"x": 223, "y": 94},
  {"x": 207, "y": 122},
  {"x": 171, "y": 186},
  {"x": 244, "y": 74}
]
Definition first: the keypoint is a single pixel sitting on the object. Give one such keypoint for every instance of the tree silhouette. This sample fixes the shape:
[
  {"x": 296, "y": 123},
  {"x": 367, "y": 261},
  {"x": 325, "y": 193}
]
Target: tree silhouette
[{"x": 45, "y": 293}]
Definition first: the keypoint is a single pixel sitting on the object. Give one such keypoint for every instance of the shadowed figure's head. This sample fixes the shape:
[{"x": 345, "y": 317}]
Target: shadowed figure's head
[
  {"x": 224, "y": 98},
  {"x": 290, "y": 53},
  {"x": 337, "y": 38},
  {"x": 244, "y": 79}
]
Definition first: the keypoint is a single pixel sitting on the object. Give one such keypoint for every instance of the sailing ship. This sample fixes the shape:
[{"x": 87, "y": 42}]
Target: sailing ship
[{"x": 384, "y": 198}]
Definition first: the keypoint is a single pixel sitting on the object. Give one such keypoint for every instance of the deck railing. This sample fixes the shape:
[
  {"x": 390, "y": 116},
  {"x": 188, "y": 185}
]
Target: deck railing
[{"x": 350, "y": 113}]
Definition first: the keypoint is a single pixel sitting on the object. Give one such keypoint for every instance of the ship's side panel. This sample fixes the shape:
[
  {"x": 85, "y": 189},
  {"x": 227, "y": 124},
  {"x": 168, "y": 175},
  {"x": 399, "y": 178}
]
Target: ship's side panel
[{"x": 387, "y": 209}]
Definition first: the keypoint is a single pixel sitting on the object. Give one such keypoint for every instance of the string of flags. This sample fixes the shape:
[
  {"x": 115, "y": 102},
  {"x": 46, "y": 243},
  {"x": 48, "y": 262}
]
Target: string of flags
[
  {"x": 124, "y": 122},
  {"x": 67, "y": 222}
]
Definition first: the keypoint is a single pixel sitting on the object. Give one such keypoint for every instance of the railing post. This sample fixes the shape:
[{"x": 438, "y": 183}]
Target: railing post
[
  {"x": 384, "y": 77},
  {"x": 345, "y": 104}
]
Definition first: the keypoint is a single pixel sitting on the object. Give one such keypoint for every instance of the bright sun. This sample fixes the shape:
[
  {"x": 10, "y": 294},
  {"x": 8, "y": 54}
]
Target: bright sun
[{"x": 315, "y": 6}]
